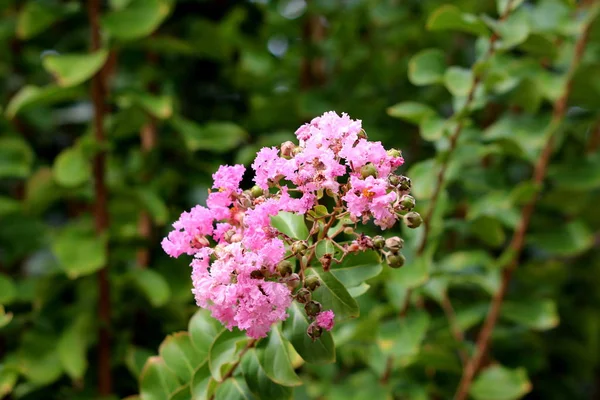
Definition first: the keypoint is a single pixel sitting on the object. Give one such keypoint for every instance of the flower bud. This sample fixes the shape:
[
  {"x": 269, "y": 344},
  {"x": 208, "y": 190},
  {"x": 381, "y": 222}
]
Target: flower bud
[
  {"x": 303, "y": 296},
  {"x": 256, "y": 274},
  {"x": 348, "y": 230},
  {"x": 407, "y": 202},
  {"x": 284, "y": 268},
  {"x": 264, "y": 270},
  {"x": 312, "y": 282},
  {"x": 314, "y": 331},
  {"x": 394, "y": 153},
  {"x": 378, "y": 242},
  {"x": 413, "y": 220},
  {"x": 325, "y": 261},
  {"x": 256, "y": 191},
  {"x": 362, "y": 134},
  {"x": 395, "y": 260},
  {"x": 368, "y": 170},
  {"x": 394, "y": 180},
  {"x": 312, "y": 308},
  {"x": 287, "y": 149},
  {"x": 293, "y": 281},
  {"x": 405, "y": 183},
  {"x": 394, "y": 244},
  {"x": 236, "y": 238},
  {"x": 297, "y": 150},
  {"x": 298, "y": 247}
]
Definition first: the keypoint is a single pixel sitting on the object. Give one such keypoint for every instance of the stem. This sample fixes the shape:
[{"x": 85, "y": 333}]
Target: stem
[
  {"x": 518, "y": 240},
  {"x": 231, "y": 371},
  {"x": 98, "y": 93}
]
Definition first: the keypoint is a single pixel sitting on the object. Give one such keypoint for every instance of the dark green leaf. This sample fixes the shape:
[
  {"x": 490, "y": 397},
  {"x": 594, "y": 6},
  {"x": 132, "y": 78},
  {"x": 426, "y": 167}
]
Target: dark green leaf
[
  {"x": 357, "y": 268},
  {"x": 234, "y": 389},
  {"x": 333, "y": 295},
  {"x": 37, "y": 16},
  {"x": 500, "y": 383},
  {"x": 258, "y": 382},
  {"x": 180, "y": 355},
  {"x": 16, "y": 158},
  {"x": 320, "y": 351},
  {"x": 449, "y": 17},
  {"x": 535, "y": 314},
  {"x": 135, "y": 359},
  {"x": 8, "y": 379},
  {"x": 402, "y": 337},
  {"x": 225, "y": 351},
  {"x": 571, "y": 239},
  {"x": 274, "y": 359},
  {"x": 8, "y": 290}
]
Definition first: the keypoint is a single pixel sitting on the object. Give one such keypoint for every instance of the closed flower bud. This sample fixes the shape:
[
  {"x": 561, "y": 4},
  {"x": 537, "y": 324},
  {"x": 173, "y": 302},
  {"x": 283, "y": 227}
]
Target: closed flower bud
[
  {"x": 265, "y": 271},
  {"x": 394, "y": 244},
  {"x": 368, "y": 170},
  {"x": 284, "y": 268},
  {"x": 287, "y": 149},
  {"x": 298, "y": 247},
  {"x": 362, "y": 134},
  {"x": 303, "y": 296},
  {"x": 407, "y": 202},
  {"x": 256, "y": 191},
  {"x": 348, "y": 230},
  {"x": 378, "y": 242},
  {"x": 314, "y": 331},
  {"x": 394, "y": 180},
  {"x": 394, "y": 153},
  {"x": 325, "y": 261},
  {"x": 312, "y": 308},
  {"x": 395, "y": 260},
  {"x": 312, "y": 282},
  {"x": 293, "y": 281},
  {"x": 405, "y": 183},
  {"x": 413, "y": 220}
]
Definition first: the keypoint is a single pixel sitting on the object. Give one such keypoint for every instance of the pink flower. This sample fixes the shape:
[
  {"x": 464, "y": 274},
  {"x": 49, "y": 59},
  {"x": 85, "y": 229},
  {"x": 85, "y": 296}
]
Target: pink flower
[
  {"x": 325, "y": 319},
  {"x": 370, "y": 197},
  {"x": 268, "y": 166},
  {"x": 228, "y": 178},
  {"x": 190, "y": 231}
]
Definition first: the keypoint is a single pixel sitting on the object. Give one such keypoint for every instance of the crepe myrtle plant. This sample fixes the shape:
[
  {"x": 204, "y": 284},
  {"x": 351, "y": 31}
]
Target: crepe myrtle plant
[{"x": 252, "y": 249}]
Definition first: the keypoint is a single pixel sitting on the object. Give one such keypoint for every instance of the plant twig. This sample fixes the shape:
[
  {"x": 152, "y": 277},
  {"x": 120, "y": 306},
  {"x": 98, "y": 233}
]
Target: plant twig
[
  {"x": 518, "y": 240},
  {"x": 98, "y": 93}
]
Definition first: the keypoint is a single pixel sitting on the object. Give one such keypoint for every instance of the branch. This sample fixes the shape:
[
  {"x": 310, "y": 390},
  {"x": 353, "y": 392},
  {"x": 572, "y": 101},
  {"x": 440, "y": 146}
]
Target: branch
[
  {"x": 98, "y": 93},
  {"x": 518, "y": 240}
]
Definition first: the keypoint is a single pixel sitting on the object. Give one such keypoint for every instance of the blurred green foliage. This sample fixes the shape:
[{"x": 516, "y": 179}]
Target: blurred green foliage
[{"x": 196, "y": 83}]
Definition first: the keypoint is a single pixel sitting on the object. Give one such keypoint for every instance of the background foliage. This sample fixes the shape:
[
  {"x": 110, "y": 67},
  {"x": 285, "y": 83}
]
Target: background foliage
[{"x": 193, "y": 84}]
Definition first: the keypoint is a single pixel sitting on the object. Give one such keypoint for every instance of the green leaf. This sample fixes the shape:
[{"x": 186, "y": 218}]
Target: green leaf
[
  {"x": 8, "y": 379},
  {"x": 489, "y": 230},
  {"x": 8, "y": 291},
  {"x": 38, "y": 358},
  {"x": 16, "y": 158},
  {"x": 536, "y": 314},
  {"x": 423, "y": 176},
  {"x": 258, "y": 382},
  {"x": 427, "y": 67},
  {"x": 523, "y": 135},
  {"x": 30, "y": 96},
  {"x": 5, "y": 319},
  {"x": 9, "y": 206},
  {"x": 73, "y": 69},
  {"x": 160, "y": 107},
  {"x": 449, "y": 17},
  {"x": 79, "y": 251},
  {"x": 180, "y": 355},
  {"x": 203, "y": 385},
  {"x": 138, "y": 19},
  {"x": 582, "y": 174},
  {"x": 37, "y": 16},
  {"x": 502, "y": 5},
  {"x": 154, "y": 205},
  {"x": 72, "y": 347},
  {"x": 414, "y": 273},
  {"x": 153, "y": 285},
  {"x": 71, "y": 168},
  {"x": 203, "y": 330},
  {"x": 234, "y": 389},
  {"x": 357, "y": 268},
  {"x": 458, "y": 81},
  {"x": 571, "y": 239},
  {"x": 290, "y": 224},
  {"x": 183, "y": 393},
  {"x": 500, "y": 383},
  {"x": 333, "y": 295},
  {"x": 219, "y": 137},
  {"x": 320, "y": 351},
  {"x": 136, "y": 358},
  {"x": 225, "y": 351},
  {"x": 157, "y": 382},
  {"x": 402, "y": 337},
  {"x": 512, "y": 31},
  {"x": 274, "y": 359},
  {"x": 411, "y": 111},
  {"x": 432, "y": 128}
]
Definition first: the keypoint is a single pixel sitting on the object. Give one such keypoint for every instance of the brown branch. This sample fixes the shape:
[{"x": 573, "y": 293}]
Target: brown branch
[
  {"x": 98, "y": 93},
  {"x": 593, "y": 143},
  {"x": 518, "y": 240}
]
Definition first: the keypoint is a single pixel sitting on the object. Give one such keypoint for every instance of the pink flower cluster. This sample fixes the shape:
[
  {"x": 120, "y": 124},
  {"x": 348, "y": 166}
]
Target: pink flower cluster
[{"x": 236, "y": 250}]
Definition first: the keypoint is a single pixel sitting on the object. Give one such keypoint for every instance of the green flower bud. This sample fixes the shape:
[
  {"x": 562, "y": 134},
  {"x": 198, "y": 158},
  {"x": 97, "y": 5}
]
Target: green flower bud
[
  {"x": 368, "y": 170},
  {"x": 394, "y": 153},
  {"x": 405, "y": 183},
  {"x": 256, "y": 191},
  {"x": 298, "y": 247},
  {"x": 395, "y": 260},
  {"x": 284, "y": 268},
  {"x": 314, "y": 331},
  {"x": 312, "y": 308},
  {"x": 394, "y": 180},
  {"x": 413, "y": 220},
  {"x": 293, "y": 281},
  {"x": 407, "y": 202},
  {"x": 394, "y": 244},
  {"x": 303, "y": 296},
  {"x": 348, "y": 230},
  {"x": 312, "y": 282},
  {"x": 378, "y": 242}
]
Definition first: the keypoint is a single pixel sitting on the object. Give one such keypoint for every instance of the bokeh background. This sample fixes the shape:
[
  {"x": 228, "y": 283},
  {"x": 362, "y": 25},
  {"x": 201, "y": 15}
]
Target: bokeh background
[{"x": 191, "y": 84}]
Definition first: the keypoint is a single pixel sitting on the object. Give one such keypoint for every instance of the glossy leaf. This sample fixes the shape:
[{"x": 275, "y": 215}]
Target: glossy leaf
[
  {"x": 225, "y": 351},
  {"x": 73, "y": 69},
  {"x": 357, "y": 268},
  {"x": 234, "y": 389},
  {"x": 138, "y": 19},
  {"x": 535, "y": 314},
  {"x": 320, "y": 351},
  {"x": 573, "y": 238},
  {"x": 257, "y": 380},
  {"x": 333, "y": 295},
  {"x": 203, "y": 329},
  {"x": 180, "y": 355},
  {"x": 203, "y": 385},
  {"x": 290, "y": 224},
  {"x": 157, "y": 382},
  {"x": 500, "y": 383},
  {"x": 275, "y": 361}
]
